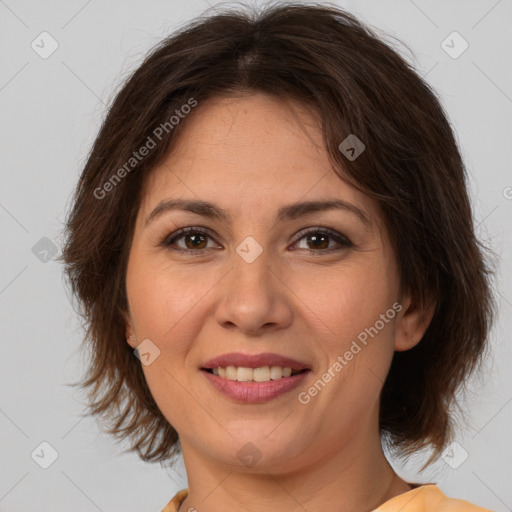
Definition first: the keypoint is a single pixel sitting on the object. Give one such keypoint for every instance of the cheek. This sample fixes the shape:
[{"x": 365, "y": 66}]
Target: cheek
[
  {"x": 165, "y": 305},
  {"x": 163, "y": 300},
  {"x": 345, "y": 309},
  {"x": 346, "y": 301}
]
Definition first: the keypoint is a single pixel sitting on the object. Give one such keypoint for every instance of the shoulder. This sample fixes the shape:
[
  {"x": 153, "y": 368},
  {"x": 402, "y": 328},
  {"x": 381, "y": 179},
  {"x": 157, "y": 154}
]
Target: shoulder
[
  {"x": 425, "y": 498},
  {"x": 176, "y": 501},
  {"x": 428, "y": 498}
]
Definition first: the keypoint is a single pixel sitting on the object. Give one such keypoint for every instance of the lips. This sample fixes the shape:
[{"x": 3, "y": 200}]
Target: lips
[
  {"x": 239, "y": 359},
  {"x": 257, "y": 378}
]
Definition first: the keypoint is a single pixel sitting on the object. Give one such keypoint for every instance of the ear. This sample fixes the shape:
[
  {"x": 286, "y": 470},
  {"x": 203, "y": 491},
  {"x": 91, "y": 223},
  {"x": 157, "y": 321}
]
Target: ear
[
  {"x": 131, "y": 339},
  {"x": 413, "y": 322}
]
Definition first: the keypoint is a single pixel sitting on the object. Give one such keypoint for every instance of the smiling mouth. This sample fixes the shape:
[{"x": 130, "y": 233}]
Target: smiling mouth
[{"x": 246, "y": 374}]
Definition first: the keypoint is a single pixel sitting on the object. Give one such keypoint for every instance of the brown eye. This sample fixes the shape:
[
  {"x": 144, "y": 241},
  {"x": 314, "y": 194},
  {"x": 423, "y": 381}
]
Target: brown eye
[
  {"x": 319, "y": 241},
  {"x": 193, "y": 240}
]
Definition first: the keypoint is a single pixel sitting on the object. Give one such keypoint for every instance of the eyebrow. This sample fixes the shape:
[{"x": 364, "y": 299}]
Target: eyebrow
[{"x": 288, "y": 212}]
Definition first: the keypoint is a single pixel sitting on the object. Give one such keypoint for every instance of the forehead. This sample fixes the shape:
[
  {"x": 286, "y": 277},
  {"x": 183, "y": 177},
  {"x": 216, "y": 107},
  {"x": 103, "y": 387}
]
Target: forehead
[{"x": 251, "y": 152}]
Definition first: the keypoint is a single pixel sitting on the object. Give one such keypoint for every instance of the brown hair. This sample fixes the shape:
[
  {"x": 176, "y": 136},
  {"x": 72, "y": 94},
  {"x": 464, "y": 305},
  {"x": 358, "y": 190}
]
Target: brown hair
[{"x": 323, "y": 57}]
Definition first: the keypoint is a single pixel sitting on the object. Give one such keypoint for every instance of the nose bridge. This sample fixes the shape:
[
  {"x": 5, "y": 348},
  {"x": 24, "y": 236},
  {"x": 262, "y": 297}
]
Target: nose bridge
[
  {"x": 254, "y": 296},
  {"x": 251, "y": 274}
]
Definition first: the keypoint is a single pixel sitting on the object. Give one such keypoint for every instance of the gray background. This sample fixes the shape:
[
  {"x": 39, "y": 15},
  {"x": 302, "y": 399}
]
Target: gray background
[{"x": 51, "y": 110}]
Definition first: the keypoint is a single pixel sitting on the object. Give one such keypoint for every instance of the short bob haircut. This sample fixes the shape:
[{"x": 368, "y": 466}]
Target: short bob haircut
[{"x": 355, "y": 83}]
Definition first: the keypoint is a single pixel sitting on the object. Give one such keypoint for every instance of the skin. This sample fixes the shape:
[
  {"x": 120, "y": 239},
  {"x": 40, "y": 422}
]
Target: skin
[{"x": 250, "y": 155}]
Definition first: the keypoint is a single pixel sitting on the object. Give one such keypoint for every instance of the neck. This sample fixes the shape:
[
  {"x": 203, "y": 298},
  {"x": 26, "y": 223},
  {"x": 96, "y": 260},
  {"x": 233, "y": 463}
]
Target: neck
[{"x": 356, "y": 478}]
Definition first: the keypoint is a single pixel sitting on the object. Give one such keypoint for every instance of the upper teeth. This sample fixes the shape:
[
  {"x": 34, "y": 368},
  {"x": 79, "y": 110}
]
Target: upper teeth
[{"x": 244, "y": 374}]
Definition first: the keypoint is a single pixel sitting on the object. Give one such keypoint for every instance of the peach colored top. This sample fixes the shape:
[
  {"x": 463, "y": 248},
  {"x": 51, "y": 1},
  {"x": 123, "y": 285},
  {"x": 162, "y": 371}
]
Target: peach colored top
[{"x": 425, "y": 498}]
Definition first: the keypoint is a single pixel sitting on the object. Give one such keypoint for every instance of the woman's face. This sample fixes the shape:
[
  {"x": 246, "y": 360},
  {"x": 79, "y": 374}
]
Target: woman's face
[{"x": 316, "y": 285}]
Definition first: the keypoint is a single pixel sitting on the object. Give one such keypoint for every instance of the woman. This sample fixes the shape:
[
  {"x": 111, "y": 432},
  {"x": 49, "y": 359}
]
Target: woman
[{"x": 273, "y": 247}]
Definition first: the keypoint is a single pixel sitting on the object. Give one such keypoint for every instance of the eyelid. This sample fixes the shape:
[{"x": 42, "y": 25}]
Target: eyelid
[
  {"x": 336, "y": 235},
  {"x": 179, "y": 233},
  {"x": 342, "y": 240}
]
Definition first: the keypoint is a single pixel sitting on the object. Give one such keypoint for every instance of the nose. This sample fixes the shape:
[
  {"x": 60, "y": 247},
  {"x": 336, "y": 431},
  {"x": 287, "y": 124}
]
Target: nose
[{"x": 254, "y": 297}]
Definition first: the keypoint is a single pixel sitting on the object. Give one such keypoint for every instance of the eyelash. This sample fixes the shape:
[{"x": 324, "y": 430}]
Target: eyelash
[{"x": 343, "y": 241}]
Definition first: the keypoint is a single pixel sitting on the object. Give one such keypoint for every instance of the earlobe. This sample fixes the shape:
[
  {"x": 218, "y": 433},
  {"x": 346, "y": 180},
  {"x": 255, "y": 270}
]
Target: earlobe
[
  {"x": 413, "y": 323},
  {"x": 129, "y": 332},
  {"x": 130, "y": 339}
]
